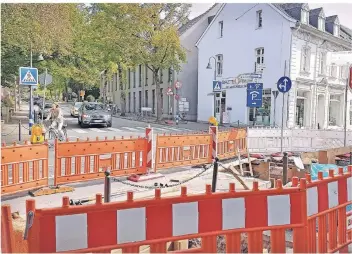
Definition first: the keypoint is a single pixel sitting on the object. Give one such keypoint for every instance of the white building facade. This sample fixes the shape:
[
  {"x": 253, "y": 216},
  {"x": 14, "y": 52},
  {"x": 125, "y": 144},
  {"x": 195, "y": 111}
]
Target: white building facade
[
  {"x": 140, "y": 87},
  {"x": 275, "y": 40}
]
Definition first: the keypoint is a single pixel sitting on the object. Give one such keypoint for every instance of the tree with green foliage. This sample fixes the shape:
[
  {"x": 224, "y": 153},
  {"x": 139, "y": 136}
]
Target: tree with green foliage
[{"x": 161, "y": 46}]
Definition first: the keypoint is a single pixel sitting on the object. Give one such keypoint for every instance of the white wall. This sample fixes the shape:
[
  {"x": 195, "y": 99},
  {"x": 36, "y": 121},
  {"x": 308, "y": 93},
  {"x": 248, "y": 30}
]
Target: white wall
[
  {"x": 189, "y": 70},
  {"x": 238, "y": 44}
]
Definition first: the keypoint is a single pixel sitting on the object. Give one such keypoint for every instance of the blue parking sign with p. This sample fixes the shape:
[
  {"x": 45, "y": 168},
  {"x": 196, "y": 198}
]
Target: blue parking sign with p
[{"x": 28, "y": 76}]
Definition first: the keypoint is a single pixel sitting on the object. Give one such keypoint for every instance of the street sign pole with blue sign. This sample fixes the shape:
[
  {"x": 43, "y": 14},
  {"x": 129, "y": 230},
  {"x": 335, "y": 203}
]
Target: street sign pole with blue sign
[
  {"x": 284, "y": 85},
  {"x": 29, "y": 77}
]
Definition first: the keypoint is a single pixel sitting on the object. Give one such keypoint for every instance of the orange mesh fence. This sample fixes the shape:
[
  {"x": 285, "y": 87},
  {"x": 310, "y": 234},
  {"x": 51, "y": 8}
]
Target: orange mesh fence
[
  {"x": 23, "y": 167},
  {"x": 182, "y": 150},
  {"x": 230, "y": 142},
  {"x": 88, "y": 160},
  {"x": 327, "y": 199},
  {"x": 128, "y": 225}
]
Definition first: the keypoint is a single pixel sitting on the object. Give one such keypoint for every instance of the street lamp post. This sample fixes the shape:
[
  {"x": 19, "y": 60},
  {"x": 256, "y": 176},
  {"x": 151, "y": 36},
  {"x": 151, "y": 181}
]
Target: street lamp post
[{"x": 209, "y": 67}]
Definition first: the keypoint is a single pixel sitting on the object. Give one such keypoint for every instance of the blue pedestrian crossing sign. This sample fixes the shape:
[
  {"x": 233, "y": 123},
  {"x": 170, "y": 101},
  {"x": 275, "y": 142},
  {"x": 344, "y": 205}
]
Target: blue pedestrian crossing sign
[
  {"x": 217, "y": 86},
  {"x": 28, "y": 76}
]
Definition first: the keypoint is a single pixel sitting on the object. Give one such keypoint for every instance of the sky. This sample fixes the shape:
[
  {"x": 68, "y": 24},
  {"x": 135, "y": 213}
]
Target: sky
[{"x": 343, "y": 10}]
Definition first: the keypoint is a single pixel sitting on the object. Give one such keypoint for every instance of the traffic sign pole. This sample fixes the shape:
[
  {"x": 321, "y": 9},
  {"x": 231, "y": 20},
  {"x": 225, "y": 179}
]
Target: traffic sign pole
[
  {"x": 348, "y": 84},
  {"x": 284, "y": 85}
]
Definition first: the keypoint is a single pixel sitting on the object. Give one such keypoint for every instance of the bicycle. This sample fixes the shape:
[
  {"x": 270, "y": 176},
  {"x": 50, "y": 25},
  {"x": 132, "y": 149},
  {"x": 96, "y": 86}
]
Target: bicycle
[{"x": 53, "y": 133}]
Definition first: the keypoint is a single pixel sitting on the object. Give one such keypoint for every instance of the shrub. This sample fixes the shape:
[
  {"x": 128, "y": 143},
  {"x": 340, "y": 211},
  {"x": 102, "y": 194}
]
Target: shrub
[{"x": 90, "y": 98}]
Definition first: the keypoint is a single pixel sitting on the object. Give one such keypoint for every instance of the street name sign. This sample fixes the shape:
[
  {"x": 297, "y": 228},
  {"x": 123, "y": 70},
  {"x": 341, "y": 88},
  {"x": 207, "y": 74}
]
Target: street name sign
[
  {"x": 284, "y": 84},
  {"x": 28, "y": 76}
]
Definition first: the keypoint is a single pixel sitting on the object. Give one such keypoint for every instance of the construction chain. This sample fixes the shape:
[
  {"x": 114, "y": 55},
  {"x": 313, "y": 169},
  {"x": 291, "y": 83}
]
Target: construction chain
[
  {"x": 163, "y": 186},
  {"x": 6, "y": 134}
]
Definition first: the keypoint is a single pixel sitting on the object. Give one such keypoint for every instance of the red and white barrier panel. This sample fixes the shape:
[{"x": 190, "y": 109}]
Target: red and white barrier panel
[
  {"x": 213, "y": 130},
  {"x": 161, "y": 220},
  {"x": 329, "y": 192},
  {"x": 149, "y": 136}
]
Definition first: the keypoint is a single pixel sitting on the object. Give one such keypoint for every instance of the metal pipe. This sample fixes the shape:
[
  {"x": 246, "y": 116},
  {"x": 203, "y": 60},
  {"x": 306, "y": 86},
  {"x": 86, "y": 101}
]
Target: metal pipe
[
  {"x": 282, "y": 115},
  {"x": 215, "y": 174},
  {"x": 46, "y": 73},
  {"x": 107, "y": 187},
  {"x": 284, "y": 168},
  {"x": 212, "y": 57},
  {"x": 19, "y": 130},
  {"x": 30, "y": 117}
]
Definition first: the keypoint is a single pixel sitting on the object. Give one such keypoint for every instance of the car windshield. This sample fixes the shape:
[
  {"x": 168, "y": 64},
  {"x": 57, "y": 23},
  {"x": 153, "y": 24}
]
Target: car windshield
[{"x": 94, "y": 107}]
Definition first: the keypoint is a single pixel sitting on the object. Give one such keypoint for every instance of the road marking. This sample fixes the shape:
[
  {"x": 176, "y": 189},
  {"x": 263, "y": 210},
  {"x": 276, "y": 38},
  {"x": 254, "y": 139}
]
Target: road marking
[
  {"x": 97, "y": 130},
  {"x": 174, "y": 129},
  {"x": 141, "y": 128},
  {"x": 79, "y": 130},
  {"x": 161, "y": 129},
  {"x": 130, "y": 129},
  {"x": 113, "y": 129}
]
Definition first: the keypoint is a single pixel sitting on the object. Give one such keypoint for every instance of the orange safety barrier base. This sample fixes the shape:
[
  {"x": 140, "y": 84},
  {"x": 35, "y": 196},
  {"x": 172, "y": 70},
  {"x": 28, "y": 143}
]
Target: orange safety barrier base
[
  {"x": 231, "y": 142},
  {"x": 120, "y": 157},
  {"x": 182, "y": 150},
  {"x": 23, "y": 167}
]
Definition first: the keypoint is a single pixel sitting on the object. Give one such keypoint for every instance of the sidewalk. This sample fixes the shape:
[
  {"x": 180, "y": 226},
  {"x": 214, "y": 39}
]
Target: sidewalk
[{"x": 10, "y": 133}]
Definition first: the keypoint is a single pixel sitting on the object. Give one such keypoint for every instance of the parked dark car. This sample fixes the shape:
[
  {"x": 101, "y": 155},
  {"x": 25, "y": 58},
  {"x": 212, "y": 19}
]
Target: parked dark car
[{"x": 93, "y": 113}]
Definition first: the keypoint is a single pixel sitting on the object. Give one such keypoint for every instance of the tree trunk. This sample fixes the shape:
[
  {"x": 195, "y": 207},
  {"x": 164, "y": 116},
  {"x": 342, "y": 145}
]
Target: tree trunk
[{"x": 158, "y": 95}]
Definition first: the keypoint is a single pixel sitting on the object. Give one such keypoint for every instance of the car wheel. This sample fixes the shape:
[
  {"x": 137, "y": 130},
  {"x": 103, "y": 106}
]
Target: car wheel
[
  {"x": 82, "y": 124},
  {"x": 109, "y": 125},
  {"x": 79, "y": 122}
]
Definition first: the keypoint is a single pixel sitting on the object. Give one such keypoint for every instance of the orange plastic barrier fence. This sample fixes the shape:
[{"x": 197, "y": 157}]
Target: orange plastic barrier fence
[
  {"x": 7, "y": 233},
  {"x": 182, "y": 150},
  {"x": 130, "y": 224},
  {"x": 23, "y": 167},
  {"x": 230, "y": 142},
  {"x": 327, "y": 200},
  {"x": 87, "y": 160}
]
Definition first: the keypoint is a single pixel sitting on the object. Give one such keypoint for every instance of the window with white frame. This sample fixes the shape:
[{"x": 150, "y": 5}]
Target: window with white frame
[
  {"x": 305, "y": 15},
  {"x": 221, "y": 28},
  {"x": 321, "y": 21},
  {"x": 343, "y": 72},
  {"x": 259, "y": 55},
  {"x": 219, "y": 65},
  {"x": 333, "y": 71},
  {"x": 305, "y": 62},
  {"x": 322, "y": 63},
  {"x": 259, "y": 19}
]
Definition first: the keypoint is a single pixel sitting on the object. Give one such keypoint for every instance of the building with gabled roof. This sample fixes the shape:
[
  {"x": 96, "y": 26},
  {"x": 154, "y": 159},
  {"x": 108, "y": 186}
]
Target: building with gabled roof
[{"x": 274, "y": 40}]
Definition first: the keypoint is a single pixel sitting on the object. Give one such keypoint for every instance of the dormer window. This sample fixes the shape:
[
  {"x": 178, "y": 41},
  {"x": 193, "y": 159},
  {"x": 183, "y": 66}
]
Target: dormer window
[
  {"x": 305, "y": 15},
  {"x": 336, "y": 28},
  {"x": 321, "y": 21}
]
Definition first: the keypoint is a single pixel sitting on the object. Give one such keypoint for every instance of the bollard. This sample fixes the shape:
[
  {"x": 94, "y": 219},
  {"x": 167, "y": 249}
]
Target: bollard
[
  {"x": 284, "y": 168},
  {"x": 19, "y": 130},
  {"x": 215, "y": 174},
  {"x": 107, "y": 187}
]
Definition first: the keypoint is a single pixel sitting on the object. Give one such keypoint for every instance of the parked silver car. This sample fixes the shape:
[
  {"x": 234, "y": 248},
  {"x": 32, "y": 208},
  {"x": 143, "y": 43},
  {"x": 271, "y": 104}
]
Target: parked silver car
[
  {"x": 93, "y": 113},
  {"x": 75, "y": 108},
  {"x": 45, "y": 111}
]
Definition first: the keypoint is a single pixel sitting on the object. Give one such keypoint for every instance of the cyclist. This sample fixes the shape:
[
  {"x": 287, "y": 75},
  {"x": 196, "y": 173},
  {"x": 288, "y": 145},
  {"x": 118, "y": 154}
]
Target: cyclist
[{"x": 57, "y": 119}]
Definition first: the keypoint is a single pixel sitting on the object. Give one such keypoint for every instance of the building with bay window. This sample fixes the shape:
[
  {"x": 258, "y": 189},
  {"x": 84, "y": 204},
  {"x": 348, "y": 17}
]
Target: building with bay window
[{"x": 275, "y": 40}]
